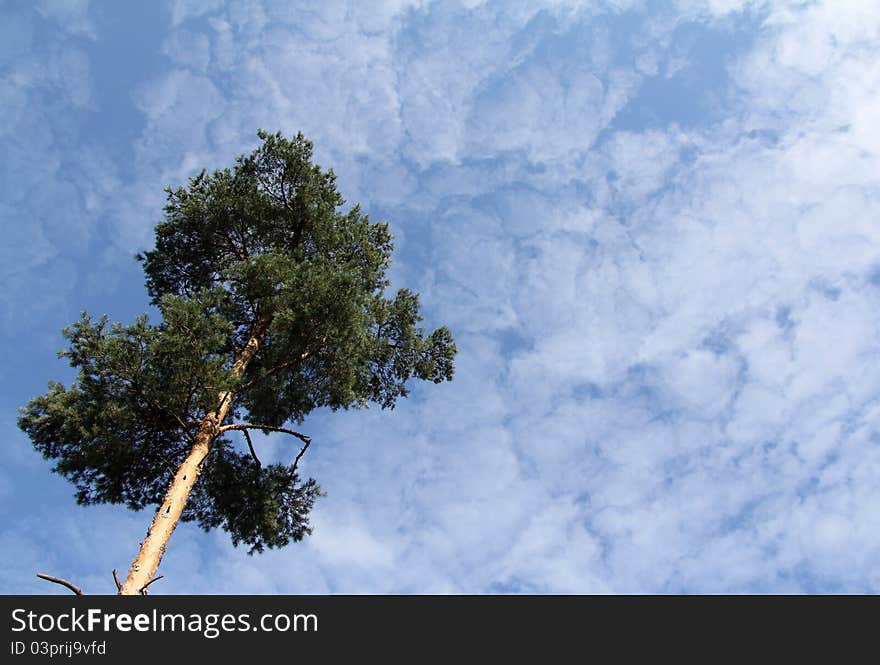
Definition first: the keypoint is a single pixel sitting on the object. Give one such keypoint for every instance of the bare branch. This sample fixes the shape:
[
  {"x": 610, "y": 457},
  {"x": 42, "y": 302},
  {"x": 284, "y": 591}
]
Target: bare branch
[
  {"x": 266, "y": 428},
  {"x": 116, "y": 580},
  {"x": 251, "y": 448},
  {"x": 244, "y": 427},
  {"x": 301, "y": 453},
  {"x": 64, "y": 583},
  {"x": 144, "y": 587}
]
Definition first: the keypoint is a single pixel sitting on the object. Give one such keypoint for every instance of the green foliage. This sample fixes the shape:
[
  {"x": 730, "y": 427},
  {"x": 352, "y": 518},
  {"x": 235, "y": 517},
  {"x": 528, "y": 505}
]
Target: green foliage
[
  {"x": 263, "y": 243},
  {"x": 261, "y": 506}
]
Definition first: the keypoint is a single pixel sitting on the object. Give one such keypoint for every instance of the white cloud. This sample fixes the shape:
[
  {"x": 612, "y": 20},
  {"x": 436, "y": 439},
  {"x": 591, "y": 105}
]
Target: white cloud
[{"x": 184, "y": 10}]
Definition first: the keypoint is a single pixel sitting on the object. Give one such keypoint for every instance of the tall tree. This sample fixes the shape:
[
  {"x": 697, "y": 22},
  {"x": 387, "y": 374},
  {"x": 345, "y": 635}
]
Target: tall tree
[{"x": 273, "y": 303}]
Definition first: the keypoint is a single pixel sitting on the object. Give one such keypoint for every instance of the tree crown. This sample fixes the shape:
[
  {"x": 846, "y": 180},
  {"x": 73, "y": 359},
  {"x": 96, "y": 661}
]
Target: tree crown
[{"x": 260, "y": 251}]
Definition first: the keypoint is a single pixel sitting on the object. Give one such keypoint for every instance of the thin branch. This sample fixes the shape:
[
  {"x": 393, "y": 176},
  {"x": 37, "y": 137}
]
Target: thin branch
[
  {"x": 116, "y": 580},
  {"x": 281, "y": 187},
  {"x": 241, "y": 238},
  {"x": 231, "y": 243},
  {"x": 64, "y": 583},
  {"x": 247, "y": 436},
  {"x": 186, "y": 426},
  {"x": 301, "y": 453},
  {"x": 244, "y": 427},
  {"x": 266, "y": 428},
  {"x": 144, "y": 587},
  {"x": 191, "y": 389},
  {"x": 275, "y": 370},
  {"x": 266, "y": 186},
  {"x": 133, "y": 382}
]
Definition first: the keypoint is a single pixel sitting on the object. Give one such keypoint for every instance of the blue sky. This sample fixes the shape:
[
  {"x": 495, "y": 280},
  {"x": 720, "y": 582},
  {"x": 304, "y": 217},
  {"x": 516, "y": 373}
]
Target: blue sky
[{"x": 653, "y": 228}]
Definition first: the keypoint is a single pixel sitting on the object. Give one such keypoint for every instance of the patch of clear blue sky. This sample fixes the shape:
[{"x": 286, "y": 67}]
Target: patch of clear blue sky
[
  {"x": 126, "y": 54},
  {"x": 690, "y": 96}
]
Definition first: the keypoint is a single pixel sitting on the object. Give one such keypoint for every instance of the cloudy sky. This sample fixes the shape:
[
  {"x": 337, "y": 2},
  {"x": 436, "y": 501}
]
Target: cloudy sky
[{"x": 654, "y": 228}]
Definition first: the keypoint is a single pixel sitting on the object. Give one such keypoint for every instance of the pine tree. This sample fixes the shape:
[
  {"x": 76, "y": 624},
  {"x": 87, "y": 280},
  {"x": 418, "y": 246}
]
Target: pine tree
[{"x": 273, "y": 303}]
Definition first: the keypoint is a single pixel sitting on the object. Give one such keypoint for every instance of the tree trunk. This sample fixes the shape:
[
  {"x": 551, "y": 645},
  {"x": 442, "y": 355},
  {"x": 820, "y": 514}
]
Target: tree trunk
[{"x": 144, "y": 567}]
